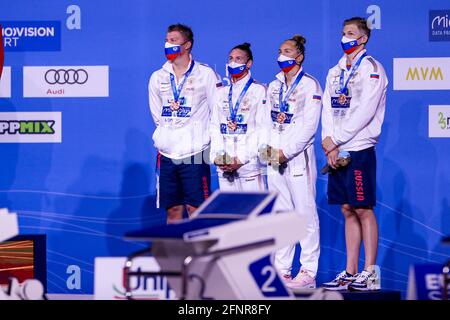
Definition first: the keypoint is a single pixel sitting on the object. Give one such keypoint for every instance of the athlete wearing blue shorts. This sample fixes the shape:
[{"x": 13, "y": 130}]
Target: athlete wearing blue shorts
[
  {"x": 353, "y": 111},
  {"x": 181, "y": 97}
]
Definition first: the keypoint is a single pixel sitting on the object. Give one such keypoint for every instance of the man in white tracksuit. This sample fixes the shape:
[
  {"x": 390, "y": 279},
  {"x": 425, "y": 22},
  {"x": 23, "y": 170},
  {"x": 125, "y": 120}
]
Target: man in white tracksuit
[
  {"x": 236, "y": 124},
  {"x": 295, "y": 100},
  {"x": 181, "y": 96},
  {"x": 354, "y": 104}
]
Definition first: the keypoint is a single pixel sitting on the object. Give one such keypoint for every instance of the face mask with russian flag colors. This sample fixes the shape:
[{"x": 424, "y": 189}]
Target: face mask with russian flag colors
[
  {"x": 349, "y": 45},
  {"x": 236, "y": 70},
  {"x": 172, "y": 50},
  {"x": 286, "y": 63}
]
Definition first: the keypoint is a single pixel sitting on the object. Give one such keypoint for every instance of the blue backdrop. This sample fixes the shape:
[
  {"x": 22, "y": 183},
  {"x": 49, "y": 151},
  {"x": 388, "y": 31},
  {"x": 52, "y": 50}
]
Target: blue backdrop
[{"x": 87, "y": 191}]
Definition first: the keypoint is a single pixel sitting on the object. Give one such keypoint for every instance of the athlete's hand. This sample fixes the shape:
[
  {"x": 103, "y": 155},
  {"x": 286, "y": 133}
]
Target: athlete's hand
[
  {"x": 235, "y": 164},
  {"x": 282, "y": 158},
  {"x": 328, "y": 145},
  {"x": 224, "y": 167},
  {"x": 332, "y": 157},
  {"x": 277, "y": 157}
]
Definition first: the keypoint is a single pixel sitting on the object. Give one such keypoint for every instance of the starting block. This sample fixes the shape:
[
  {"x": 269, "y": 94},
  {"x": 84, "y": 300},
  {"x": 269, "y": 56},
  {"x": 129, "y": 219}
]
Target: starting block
[{"x": 224, "y": 251}]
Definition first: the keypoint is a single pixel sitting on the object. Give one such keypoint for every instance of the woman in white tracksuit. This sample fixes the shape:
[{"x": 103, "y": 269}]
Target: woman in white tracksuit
[
  {"x": 236, "y": 122},
  {"x": 295, "y": 102}
]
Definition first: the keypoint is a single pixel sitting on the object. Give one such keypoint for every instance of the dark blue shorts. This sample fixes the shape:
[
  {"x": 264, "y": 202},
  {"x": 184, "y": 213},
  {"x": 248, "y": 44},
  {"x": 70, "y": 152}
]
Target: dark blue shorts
[
  {"x": 185, "y": 181},
  {"x": 355, "y": 184}
]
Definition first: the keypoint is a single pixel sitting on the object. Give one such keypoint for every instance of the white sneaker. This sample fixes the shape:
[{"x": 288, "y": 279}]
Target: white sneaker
[
  {"x": 365, "y": 281},
  {"x": 341, "y": 281},
  {"x": 287, "y": 278},
  {"x": 302, "y": 281}
]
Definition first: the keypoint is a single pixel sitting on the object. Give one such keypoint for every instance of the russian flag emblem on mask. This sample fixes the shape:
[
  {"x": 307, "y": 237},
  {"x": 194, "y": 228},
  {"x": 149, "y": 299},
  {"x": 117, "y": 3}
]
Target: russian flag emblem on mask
[
  {"x": 172, "y": 50},
  {"x": 286, "y": 63}
]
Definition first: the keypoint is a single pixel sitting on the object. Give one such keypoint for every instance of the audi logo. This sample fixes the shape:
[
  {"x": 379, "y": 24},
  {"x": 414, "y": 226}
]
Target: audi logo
[{"x": 69, "y": 76}]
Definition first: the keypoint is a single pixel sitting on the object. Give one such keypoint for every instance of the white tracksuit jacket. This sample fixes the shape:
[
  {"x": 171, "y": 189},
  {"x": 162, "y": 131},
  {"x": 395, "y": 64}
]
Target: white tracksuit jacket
[
  {"x": 185, "y": 132},
  {"x": 250, "y": 120},
  {"x": 358, "y": 126}
]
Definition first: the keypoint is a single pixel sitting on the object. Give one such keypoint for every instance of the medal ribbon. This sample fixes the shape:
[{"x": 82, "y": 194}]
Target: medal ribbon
[
  {"x": 343, "y": 88},
  {"x": 283, "y": 102},
  {"x": 234, "y": 110},
  {"x": 177, "y": 91}
]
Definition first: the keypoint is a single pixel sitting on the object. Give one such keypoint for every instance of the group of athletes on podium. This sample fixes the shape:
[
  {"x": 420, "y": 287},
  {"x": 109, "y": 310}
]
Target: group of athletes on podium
[{"x": 262, "y": 137}]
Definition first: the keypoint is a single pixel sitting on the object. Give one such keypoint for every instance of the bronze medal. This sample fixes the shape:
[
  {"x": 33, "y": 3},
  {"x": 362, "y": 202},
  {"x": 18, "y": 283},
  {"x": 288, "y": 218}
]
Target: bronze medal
[
  {"x": 232, "y": 125},
  {"x": 342, "y": 99},
  {"x": 281, "y": 117},
  {"x": 175, "y": 105}
]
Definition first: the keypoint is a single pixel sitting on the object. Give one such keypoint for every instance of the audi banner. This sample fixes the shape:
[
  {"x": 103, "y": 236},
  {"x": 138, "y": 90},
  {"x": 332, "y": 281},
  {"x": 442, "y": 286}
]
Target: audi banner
[{"x": 65, "y": 81}]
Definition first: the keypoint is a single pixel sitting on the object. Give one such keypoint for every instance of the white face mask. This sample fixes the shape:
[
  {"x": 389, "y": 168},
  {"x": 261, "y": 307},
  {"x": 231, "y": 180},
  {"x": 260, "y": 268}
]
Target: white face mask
[
  {"x": 282, "y": 58},
  {"x": 236, "y": 69},
  {"x": 170, "y": 45},
  {"x": 172, "y": 50},
  {"x": 234, "y": 64},
  {"x": 349, "y": 45},
  {"x": 286, "y": 63}
]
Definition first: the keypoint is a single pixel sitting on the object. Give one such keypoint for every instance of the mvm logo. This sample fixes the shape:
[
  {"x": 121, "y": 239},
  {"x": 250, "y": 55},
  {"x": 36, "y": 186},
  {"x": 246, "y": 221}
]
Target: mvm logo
[
  {"x": 424, "y": 74},
  {"x": 27, "y": 127}
]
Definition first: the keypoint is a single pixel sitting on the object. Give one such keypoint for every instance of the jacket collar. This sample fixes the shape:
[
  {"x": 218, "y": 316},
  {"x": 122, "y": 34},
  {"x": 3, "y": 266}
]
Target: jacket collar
[
  {"x": 343, "y": 61},
  {"x": 280, "y": 76}
]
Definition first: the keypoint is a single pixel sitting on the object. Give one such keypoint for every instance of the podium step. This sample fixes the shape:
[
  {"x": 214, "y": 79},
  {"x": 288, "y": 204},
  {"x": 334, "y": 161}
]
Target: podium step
[
  {"x": 382, "y": 295},
  {"x": 372, "y": 295}
]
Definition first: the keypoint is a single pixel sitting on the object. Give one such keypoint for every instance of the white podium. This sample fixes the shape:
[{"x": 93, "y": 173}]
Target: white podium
[{"x": 225, "y": 251}]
